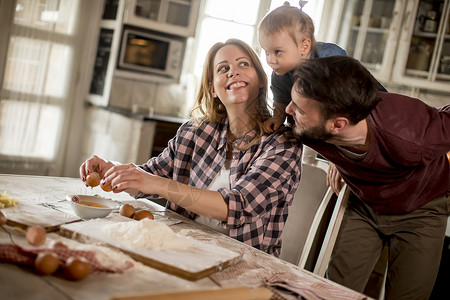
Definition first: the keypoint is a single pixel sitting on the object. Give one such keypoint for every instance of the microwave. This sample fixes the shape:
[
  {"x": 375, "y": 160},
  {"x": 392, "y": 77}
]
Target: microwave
[{"x": 151, "y": 52}]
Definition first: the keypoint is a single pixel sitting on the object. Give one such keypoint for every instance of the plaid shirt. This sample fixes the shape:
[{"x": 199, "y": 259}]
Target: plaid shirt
[{"x": 263, "y": 179}]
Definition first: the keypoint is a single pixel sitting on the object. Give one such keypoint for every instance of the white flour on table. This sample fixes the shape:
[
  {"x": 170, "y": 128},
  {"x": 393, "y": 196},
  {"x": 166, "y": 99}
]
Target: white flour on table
[{"x": 146, "y": 234}]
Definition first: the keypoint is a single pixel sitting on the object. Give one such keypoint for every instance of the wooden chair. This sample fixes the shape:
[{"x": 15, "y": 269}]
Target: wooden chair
[
  {"x": 307, "y": 199},
  {"x": 331, "y": 233},
  {"x": 314, "y": 220}
]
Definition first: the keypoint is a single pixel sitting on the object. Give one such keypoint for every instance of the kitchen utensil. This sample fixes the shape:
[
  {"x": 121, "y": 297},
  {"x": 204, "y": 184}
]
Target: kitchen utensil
[
  {"x": 444, "y": 66},
  {"x": 374, "y": 22},
  {"x": 242, "y": 293},
  {"x": 428, "y": 22},
  {"x": 419, "y": 57},
  {"x": 91, "y": 207}
]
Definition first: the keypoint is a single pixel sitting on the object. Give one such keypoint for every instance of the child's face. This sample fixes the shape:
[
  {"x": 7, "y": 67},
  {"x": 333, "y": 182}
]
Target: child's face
[{"x": 282, "y": 53}]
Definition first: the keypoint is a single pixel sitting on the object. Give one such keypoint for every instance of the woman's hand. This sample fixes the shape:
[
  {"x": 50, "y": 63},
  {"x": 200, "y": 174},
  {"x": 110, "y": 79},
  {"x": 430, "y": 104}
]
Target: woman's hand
[
  {"x": 203, "y": 202},
  {"x": 334, "y": 179},
  {"x": 94, "y": 164},
  {"x": 131, "y": 177}
]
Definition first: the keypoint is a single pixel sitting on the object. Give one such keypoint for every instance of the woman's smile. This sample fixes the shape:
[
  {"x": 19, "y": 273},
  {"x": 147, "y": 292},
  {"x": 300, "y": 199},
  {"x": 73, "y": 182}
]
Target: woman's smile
[{"x": 237, "y": 84}]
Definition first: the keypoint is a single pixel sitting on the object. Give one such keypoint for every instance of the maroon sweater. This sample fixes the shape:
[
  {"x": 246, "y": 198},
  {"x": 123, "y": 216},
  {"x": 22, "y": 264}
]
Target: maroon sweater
[{"x": 405, "y": 166}]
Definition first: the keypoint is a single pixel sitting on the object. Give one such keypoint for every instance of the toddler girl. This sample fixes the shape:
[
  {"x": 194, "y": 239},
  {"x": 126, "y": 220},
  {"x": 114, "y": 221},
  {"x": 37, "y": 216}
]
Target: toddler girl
[{"x": 287, "y": 36}]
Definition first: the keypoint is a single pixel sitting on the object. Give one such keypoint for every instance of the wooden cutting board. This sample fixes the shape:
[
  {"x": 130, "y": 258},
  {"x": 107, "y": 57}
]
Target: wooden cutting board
[
  {"x": 196, "y": 262},
  {"x": 26, "y": 214}
]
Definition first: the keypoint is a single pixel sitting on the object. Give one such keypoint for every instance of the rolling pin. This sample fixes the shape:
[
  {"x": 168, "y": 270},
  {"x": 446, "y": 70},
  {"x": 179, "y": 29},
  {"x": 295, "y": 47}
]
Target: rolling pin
[{"x": 241, "y": 293}]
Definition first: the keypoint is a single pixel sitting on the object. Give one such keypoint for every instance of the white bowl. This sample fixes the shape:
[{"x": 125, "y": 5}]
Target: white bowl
[{"x": 91, "y": 207}]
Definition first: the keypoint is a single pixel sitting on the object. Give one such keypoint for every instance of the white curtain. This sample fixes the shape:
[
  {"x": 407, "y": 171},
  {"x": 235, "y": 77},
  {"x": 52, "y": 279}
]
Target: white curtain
[{"x": 37, "y": 80}]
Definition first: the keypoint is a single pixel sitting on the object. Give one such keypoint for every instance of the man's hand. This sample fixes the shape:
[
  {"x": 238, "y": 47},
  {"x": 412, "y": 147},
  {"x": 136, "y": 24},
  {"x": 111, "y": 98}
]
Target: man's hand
[{"x": 334, "y": 179}]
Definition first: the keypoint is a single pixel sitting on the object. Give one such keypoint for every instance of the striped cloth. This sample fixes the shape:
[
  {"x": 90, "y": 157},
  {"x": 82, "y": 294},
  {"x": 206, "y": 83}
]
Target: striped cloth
[
  {"x": 11, "y": 253},
  {"x": 302, "y": 287}
]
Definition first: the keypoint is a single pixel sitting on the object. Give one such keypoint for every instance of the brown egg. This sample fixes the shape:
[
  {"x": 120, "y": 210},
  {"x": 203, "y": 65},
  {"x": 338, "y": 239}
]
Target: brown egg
[
  {"x": 46, "y": 263},
  {"x": 127, "y": 210},
  {"x": 106, "y": 188},
  {"x": 58, "y": 245},
  {"x": 36, "y": 235},
  {"x": 143, "y": 214},
  {"x": 77, "y": 268},
  {"x": 93, "y": 179},
  {"x": 2, "y": 219}
]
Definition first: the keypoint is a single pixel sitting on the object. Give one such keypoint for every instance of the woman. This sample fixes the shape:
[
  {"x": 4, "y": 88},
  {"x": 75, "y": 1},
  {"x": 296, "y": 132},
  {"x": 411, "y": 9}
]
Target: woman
[{"x": 221, "y": 169}]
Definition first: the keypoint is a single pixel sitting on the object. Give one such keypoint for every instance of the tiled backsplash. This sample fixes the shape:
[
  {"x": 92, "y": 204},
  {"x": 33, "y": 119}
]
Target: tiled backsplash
[{"x": 154, "y": 98}]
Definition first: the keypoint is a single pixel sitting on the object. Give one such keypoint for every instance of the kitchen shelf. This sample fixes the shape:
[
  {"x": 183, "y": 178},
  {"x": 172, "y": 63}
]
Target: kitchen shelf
[
  {"x": 178, "y": 17},
  {"x": 390, "y": 39},
  {"x": 373, "y": 29},
  {"x": 426, "y": 50},
  {"x": 428, "y": 35},
  {"x": 445, "y": 77},
  {"x": 368, "y": 31}
]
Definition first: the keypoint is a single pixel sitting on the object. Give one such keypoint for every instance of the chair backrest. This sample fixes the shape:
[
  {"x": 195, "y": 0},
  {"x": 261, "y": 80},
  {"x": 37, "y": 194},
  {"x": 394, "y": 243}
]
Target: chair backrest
[{"x": 307, "y": 199}]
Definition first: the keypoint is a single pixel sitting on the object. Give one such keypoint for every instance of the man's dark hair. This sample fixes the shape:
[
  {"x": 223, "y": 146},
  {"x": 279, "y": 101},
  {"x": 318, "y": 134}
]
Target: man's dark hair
[{"x": 341, "y": 85}]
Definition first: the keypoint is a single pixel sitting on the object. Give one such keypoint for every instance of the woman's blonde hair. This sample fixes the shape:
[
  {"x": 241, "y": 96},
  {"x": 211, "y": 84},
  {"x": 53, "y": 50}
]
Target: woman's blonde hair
[
  {"x": 292, "y": 19},
  {"x": 210, "y": 109}
]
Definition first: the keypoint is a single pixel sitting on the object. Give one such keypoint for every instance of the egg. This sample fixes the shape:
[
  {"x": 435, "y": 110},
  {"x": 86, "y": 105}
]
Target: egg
[
  {"x": 127, "y": 210},
  {"x": 143, "y": 214},
  {"x": 36, "y": 235},
  {"x": 93, "y": 179},
  {"x": 58, "y": 245},
  {"x": 106, "y": 188},
  {"x": 2, "y": 219},
  {"x": 77, "y": 268},
  {"x": 46, "y": 263}
]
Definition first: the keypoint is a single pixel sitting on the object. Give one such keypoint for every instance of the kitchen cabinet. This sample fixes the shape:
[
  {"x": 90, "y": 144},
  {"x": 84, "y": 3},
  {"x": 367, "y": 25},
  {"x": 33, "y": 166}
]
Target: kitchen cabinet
[
  {"x": 424, "y": 49},
  {"x": 170, "y": 21},
  {"x": 120, "y": 135},
  {"x": 117, "y": 137},
  {"x": 106, "y": 52},
  {"x": 164, "y": 132},
  {"x": 368, "y": 31},
  {"x": 401, "y": 42},
  {"x": 177, "y": 17}
]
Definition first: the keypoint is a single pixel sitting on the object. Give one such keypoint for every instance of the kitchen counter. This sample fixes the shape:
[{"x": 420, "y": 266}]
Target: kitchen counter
[
  {"x": 48, "y": 193},
  {"x": 144, "y": 115},
  {"x": 120, "y": 135}
]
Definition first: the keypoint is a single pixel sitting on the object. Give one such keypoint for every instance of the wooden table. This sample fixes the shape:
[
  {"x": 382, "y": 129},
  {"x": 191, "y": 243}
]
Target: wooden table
[{"x": 19, "y": 282}]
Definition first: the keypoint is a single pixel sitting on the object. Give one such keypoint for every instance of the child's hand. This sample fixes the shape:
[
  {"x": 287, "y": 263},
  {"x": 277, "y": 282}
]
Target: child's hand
[{"x": 272, "y": 124}]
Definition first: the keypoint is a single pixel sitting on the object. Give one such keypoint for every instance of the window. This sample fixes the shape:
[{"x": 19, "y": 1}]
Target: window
[
  {"x": 221, "y": 20},
  {"x": 37, "y": 81}
]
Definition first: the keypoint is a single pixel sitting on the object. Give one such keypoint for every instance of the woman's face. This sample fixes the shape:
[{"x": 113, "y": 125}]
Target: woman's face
[{"x": 235, "y": 81}]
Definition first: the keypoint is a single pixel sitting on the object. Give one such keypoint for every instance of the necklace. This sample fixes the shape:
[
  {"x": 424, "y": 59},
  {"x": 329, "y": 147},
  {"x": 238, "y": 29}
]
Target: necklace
[
  {"x": 237, "y": 141},
  {"x": 234, "y": 141}
]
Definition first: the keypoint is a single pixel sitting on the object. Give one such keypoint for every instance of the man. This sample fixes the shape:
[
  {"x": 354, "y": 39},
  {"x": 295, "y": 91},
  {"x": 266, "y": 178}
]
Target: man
[{"x": 390, "y": 149}]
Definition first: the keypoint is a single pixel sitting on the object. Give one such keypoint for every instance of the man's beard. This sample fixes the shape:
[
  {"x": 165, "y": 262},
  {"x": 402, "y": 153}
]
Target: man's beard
[{"x": 314, "y": 133}]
